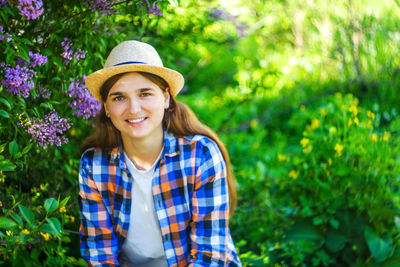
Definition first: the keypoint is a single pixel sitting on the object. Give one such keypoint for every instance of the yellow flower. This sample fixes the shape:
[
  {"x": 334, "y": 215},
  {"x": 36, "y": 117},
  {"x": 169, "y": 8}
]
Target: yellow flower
[
  {"x": 330, "y": 161},
  {"x": 371, "y": 115},
  {"x": 386, "y": 136},
  {"x": 350, "y": 122},
  {"x": 307, "y": 149},
  {"x": 25, "y": 232},
  {"x": 323, "y": 112},
  {"x": 9, "y": 232},
  {"x": 314, "y": 124},
  {"x": 338, "y": 149},
  {"x": 72, "y": 218},
  {"x": 302, "y": 107},
  {"x": 276, "y": 245},
  {"x": 46, "y": 236},
  {"x": 281, "y": 157},
  {"x": 353, "y": 109},
  {"x": 304, "y": 142},
  {"x": 63, "y": 209},
  {"x": 293, "y": 174},
  {"x": 356, "y": 121},
  {"x": 253, "y": 123},
  {"x": 374, "y": 138}
]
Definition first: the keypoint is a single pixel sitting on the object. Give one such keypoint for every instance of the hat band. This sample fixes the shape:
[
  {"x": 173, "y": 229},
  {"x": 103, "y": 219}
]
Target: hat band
[{"x": 130, "y": 62}]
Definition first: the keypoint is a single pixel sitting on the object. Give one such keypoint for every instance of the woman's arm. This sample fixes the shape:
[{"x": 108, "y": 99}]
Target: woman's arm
[
  {"x": 98, "y": 241},
  {"x": 210, "y": 209}
]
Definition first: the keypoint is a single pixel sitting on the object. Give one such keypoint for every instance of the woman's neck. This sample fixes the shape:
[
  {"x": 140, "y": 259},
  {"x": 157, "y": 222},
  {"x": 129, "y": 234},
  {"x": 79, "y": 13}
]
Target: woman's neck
[{"x": 143, "y": 152}]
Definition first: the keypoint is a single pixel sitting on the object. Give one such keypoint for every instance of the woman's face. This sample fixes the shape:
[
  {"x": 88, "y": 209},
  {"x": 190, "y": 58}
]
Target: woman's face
[{"x": 136, "y": 107}]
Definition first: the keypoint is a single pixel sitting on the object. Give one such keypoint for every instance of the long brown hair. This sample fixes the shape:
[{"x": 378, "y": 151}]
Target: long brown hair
[{"x": 179, "y": 120}]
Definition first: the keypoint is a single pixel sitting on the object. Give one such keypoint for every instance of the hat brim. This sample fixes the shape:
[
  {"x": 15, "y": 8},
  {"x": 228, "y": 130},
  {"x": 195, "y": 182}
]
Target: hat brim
[{"x": 95, "y": 81}]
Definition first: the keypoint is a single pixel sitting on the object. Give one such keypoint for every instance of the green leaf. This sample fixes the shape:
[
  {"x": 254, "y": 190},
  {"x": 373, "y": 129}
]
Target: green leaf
[
  {"x": 5, "y": 102},
  {"x": 6, "y": 223},
  {"x": 335, "y": 241},
  {"x": 13, "y": 147},
  {"x": 23, "y": 53},
  {"x": 50, "y": 205},
  {"x": 305, "y": 236},
  {"x": 4, "y": 114},
  {"x": 2, "y": 147},
  {"x": 64, "y": 202},
  {"x": 397, "y": 223},
  {"x": 27, "y": 148},
  {"x": 27, "y": 214},
  {"x": 10, "y": 56},
  {"x": 380, "y": 247},
  {"x": 6, "y": 166},
  {"x": 17, "y": 218},
  {"x": 53, "y": 226}
]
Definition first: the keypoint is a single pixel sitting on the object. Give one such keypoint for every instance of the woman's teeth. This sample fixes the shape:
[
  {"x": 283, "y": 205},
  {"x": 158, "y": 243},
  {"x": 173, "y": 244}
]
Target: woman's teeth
[{"x": 136, "y": 121}]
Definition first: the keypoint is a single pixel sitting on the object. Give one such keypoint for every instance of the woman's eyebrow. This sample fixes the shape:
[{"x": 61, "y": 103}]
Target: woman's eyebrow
[{"x": 141, "y": 90}]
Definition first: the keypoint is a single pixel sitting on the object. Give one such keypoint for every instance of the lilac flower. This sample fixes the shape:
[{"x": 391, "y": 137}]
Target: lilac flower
[
  {"x": 3, "y": 3},
  {"x": 68, "y": 53},
  {"x": 4, "y": 35},
  {"x": 17, "y": 80},
  {"x": 154, "y": 8},
  {"x": 79, "y": 54},
  {"x": 104, "y": 7},
  {"x": 83, "y": 103},
  {"x": 48, "y": 130},
  {"x": 35, "y": 59},
  {"x": 31, "y": 9},
  {"x": 42, "y": 92}
]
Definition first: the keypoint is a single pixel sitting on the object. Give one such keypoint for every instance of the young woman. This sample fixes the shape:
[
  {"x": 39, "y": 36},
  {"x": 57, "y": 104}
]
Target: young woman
[{"x": 155, "y": 185}]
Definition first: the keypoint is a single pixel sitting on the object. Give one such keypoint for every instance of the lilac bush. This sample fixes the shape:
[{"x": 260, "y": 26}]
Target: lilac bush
[
  {"x": 31, "y": 9},
  {"x": 83, "y": 103},
  {"x": 104, "y": 7},
  {"x": 47, "y": 130}
]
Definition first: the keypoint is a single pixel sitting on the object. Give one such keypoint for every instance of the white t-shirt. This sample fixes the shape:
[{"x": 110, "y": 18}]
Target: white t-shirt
[{"x": 143, "y": 245}]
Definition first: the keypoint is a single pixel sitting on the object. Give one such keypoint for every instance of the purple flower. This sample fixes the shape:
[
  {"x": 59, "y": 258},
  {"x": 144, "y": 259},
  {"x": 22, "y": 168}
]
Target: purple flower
[
  {"x": 17, "y": 80},
  {"x": 35, "y": 59},
  {"x": 3, "y": 2},
  {"x": 4, "y": 35},
  {"x": 83, "y": 103},
  {"x": 79, "y": 54},
  {"x": 42, "y": 92},
  {"x": 154, "y": 8},
  {"x": 47, "y": 130},
  {"x": 31, "y": 9},
  {"x": 104, "y": 7},
  {"x": 68, "y": 53}
]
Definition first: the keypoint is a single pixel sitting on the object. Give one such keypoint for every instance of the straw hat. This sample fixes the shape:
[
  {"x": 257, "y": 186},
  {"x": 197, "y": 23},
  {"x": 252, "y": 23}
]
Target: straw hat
[{"x": 133, "y": 56}]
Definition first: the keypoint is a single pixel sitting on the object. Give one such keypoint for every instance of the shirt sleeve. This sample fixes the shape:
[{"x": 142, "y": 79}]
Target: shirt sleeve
[
  {"x": 210, "y": 210},
  {"x": 99, "y": 244}
]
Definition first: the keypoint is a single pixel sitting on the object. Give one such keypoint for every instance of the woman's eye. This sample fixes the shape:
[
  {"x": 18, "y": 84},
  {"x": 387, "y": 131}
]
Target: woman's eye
[
  {"x": 118, "y": 98},
  {"x": 145, "y": 94}
]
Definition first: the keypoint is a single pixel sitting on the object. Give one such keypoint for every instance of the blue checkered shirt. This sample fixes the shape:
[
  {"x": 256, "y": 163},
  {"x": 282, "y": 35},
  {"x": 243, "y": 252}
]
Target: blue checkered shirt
[{"x": 190, "y": 197}]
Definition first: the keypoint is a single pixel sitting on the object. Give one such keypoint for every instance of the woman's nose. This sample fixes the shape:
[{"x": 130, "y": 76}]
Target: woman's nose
[{"x": 134, "y": 106}]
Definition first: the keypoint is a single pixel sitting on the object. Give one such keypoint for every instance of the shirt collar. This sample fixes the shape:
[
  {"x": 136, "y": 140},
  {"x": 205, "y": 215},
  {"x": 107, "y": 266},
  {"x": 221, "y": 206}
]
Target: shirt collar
[{"x": 170, "y": 149}]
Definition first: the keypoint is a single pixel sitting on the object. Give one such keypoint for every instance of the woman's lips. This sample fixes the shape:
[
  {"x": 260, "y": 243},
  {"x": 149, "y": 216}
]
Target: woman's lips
[{"x": 136, "y": 122}]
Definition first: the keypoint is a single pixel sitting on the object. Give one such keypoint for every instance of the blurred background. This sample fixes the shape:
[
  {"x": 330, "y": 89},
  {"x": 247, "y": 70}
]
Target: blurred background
[{"x": 305, "y": 95}]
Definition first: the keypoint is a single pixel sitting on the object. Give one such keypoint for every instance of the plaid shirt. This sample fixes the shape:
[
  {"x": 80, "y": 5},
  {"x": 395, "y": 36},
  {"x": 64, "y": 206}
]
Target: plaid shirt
[{"x": 190, "y": 197}]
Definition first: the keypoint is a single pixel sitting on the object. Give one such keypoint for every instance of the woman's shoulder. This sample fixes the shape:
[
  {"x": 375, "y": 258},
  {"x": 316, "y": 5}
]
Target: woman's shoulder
[
  {"x": 96, "y": 154},
  {"x": 202, "y": 142}
]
